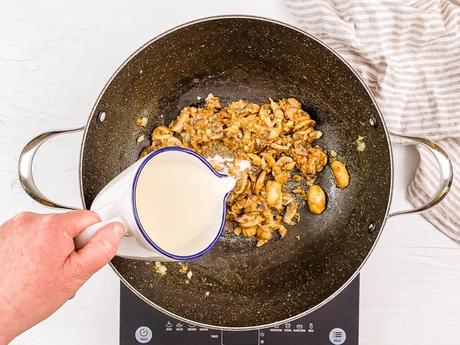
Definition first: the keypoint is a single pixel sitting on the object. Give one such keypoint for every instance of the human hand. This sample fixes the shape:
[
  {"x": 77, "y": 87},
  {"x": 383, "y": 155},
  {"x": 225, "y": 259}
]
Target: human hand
[{"x": 40, "y": 269}]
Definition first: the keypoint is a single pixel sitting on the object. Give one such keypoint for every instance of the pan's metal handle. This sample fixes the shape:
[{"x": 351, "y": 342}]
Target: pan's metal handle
[
  {"x": 445, "y": 169},
  {"x": 26, "y": 160}
]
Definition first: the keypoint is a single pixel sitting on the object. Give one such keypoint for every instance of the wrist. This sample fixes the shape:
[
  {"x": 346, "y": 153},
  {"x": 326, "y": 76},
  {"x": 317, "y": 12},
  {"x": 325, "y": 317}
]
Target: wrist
[
  {"x": 9, "y": 321},
  {"x": 7, "y": 331},
  {"x": 3, "y": 339}
]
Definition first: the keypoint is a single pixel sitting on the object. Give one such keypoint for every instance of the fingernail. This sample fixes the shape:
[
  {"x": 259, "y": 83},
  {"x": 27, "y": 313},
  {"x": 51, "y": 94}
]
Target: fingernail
[{"x": 119, "y": 228}]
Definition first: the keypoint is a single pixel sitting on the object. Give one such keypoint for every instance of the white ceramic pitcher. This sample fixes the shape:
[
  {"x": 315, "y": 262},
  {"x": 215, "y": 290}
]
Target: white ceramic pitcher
[{"x": 117, "y": 202}]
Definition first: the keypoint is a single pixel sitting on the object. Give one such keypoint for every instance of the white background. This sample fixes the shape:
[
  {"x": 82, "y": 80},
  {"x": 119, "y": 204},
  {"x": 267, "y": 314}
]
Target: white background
[{"x": 56, "y": 56}]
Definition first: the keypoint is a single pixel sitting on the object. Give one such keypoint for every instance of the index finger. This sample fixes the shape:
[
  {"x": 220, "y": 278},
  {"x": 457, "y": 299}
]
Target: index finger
[{"x": 74, "y": 222}]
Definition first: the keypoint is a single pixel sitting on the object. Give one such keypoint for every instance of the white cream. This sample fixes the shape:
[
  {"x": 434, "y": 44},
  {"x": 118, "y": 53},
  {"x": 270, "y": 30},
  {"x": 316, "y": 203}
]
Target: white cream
[
  {"x": 180, "y": 202},
  {"x": 242, "y": 165}
]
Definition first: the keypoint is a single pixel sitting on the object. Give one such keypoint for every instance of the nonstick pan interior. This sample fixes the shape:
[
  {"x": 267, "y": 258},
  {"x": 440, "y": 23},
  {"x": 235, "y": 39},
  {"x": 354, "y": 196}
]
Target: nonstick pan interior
[{"x": 237, "y": 284}]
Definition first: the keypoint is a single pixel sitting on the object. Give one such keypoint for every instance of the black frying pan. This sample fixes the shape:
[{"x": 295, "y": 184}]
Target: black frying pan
[{"x": 251, "y": 58}]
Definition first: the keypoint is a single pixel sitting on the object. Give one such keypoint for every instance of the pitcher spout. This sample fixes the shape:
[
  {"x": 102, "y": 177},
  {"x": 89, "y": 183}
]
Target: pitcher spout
[{"x": 227, "y": 183}]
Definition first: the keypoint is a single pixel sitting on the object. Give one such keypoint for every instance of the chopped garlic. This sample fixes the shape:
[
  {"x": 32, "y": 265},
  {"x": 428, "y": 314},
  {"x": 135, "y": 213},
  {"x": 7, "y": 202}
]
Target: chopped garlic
[
  {"x": 183, "y": 267},
  {"x": 206, "y": 293},
  {"x": 142, "y": 122},
  {"x": 160, "y": 268},
  {"x": 297, "y": 178},
  {"x": 333, "y": 153},
  {"x": 360, "y": 145},
  {"x": 189, "y": 275},
  {"x": 318, "y": 134},
  {"x": 141, "y": 138},
  {"x": 260, "y": 243}
]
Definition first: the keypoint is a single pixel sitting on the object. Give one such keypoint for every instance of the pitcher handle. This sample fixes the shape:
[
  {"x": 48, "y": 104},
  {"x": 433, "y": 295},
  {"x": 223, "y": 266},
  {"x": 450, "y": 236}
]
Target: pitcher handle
[
  {"x": 445, "y": 169},
  {"x": 25, "y": 172},
  {"x": 85, "y": 236}
]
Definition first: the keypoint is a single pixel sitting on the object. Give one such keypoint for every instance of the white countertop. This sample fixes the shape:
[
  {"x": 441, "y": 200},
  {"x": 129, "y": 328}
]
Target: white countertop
[{"x": 55, "y": 58}]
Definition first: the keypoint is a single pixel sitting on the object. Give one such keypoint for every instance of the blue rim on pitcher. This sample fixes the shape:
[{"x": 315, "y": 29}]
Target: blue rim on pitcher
[{"x": 136, "y": 216}]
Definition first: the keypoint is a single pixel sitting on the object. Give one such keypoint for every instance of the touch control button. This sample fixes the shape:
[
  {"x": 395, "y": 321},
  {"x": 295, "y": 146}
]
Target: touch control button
[
  {"x": 337, "y": 336},
  {"x": 143, "y": 335}
]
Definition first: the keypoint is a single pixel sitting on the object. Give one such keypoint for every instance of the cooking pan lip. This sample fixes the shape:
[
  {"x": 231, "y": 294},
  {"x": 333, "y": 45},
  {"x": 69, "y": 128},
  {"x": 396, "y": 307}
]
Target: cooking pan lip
[{"x": 363, "y": 83}]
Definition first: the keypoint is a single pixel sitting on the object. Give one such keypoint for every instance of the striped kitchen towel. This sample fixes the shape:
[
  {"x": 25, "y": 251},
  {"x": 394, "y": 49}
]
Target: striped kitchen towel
[{"x": 409, "y": 54}]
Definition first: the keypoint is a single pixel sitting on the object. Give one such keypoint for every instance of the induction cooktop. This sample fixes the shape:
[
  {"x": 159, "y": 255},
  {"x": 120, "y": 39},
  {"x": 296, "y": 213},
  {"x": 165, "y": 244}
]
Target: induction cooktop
[{"x": 336, "y": 323}]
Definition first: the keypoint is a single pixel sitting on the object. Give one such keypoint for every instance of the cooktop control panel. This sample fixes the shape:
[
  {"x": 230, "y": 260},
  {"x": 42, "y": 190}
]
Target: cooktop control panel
[{"x": 334, "y": 323}]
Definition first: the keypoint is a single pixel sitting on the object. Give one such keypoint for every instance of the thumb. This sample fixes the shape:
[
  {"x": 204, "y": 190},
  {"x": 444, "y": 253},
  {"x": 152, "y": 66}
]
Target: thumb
[{"x": 98, "y": 251}]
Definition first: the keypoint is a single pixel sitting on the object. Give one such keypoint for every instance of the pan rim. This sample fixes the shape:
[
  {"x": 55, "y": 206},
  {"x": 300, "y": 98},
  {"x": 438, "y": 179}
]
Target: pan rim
[{"x": 362, "y": 82}]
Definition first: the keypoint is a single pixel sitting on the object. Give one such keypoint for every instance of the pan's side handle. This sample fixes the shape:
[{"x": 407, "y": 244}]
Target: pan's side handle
[
  {"x": 445, "y": 169},
  {"x": 25, "y": 172}
]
